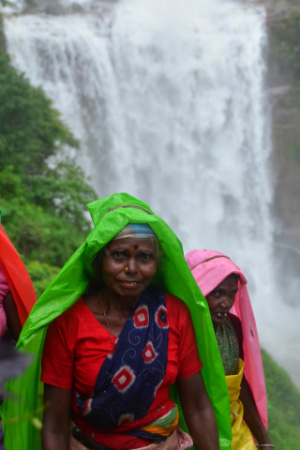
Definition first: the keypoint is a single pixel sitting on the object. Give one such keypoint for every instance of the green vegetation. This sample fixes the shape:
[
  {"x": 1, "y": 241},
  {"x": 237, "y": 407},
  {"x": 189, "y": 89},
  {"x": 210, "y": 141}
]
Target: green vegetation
[
  {"x": 284, "y": 33},
  {"x": 283, "y": 406},
  {"x": 288, "y": 40},
  {"x": 42, "y": 196},
  {"x": 6, "y": 3},
  {"x": 292, "y": 150}
]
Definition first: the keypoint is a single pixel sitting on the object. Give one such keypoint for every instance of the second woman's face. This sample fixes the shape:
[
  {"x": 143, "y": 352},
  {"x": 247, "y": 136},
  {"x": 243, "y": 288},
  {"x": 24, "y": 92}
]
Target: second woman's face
[
  {"x": 221, "y": 299},
  {"x": 128, "y": 266}
]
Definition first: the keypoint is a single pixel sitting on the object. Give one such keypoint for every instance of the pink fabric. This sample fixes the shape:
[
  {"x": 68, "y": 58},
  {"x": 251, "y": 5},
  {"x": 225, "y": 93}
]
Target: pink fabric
[
  {"x": 184, "y": 440},
  {"x": 4, "y": 288},
  {"x": 208, "y": 276}
]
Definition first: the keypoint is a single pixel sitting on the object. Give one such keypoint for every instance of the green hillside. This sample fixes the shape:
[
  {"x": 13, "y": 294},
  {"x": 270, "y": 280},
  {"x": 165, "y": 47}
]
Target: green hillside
[{"x": 283, "y": 406}]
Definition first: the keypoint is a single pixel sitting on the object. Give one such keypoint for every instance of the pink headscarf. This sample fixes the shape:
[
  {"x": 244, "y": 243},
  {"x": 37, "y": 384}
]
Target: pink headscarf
[{"x": 209, "y": 269}]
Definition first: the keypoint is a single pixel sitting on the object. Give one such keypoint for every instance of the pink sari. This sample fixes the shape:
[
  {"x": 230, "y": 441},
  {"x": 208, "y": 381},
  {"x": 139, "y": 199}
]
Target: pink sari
[
  {"x": 4, "y": 288},
  {"x": 209, "y": 269}
]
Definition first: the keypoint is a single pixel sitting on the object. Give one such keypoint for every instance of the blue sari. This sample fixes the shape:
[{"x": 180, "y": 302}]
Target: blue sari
[{"x": 129, "y": 377}]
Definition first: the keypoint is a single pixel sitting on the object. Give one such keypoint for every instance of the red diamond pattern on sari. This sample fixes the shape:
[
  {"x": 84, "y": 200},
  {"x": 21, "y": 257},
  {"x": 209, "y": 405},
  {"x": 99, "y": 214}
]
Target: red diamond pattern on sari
[
  {"x": 161, "y": 317},
  {"x": 149, "y": 353},
  {"x": 141, "y": 317},
  {"x": 126, "y": 418},
  {"x": 123, "y": 379}
]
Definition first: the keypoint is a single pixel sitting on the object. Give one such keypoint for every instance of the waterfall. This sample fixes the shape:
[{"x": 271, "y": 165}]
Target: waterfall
[{"x": 168, "y": 98}]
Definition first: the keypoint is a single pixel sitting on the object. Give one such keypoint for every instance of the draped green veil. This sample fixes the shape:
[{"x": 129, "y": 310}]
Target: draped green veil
[{"x": 22, "y": 413}]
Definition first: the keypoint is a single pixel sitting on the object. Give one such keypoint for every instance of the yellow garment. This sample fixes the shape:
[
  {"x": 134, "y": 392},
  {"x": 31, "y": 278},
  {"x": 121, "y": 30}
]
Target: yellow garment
[{"x": 241, "y": 435}]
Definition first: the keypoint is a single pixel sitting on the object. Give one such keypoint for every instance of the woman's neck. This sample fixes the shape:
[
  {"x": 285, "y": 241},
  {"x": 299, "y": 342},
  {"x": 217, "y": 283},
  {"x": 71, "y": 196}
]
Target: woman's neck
[{"x": 117, "y": 305}]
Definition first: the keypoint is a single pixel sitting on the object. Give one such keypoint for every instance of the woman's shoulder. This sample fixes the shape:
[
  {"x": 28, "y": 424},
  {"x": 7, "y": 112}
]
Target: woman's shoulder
[
  {"x": 235, "y": 321},
  {"x": 69, "y": 325},
  {"x": 173, "y": 301},
  {"x": 76, "y": 312}
]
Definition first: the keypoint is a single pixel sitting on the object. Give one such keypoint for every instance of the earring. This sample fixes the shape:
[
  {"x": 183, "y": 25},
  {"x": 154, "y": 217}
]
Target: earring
[{"x": 126, "y": 269}]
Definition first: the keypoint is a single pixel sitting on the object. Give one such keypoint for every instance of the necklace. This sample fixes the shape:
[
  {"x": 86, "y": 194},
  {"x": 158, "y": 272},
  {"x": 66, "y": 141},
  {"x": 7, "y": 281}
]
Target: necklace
[{"x": 106, "y": 321}]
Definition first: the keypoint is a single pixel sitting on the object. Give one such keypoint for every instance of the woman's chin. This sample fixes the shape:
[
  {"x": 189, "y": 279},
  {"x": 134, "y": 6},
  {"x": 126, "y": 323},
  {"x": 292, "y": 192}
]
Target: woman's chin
[
  {"x": 218, "y": 318},
  {"x": 128, "y": 290}
]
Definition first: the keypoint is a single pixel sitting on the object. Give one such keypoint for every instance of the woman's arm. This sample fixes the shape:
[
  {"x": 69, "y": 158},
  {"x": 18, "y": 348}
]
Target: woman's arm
[
  {"x": 198, "y": 412},
  {"x": 251, "y": 415},
  {"x": 13, "y": 322},
  {"x": 57, "y": 417}
]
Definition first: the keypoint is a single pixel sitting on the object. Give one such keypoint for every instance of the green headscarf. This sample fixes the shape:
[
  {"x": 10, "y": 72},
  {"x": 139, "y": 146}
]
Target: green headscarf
[{"x": 110, "y": 215}]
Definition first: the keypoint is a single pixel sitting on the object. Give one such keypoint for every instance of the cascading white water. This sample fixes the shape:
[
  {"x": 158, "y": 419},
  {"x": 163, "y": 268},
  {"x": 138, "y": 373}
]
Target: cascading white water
[{"x": 168, "y": 99}]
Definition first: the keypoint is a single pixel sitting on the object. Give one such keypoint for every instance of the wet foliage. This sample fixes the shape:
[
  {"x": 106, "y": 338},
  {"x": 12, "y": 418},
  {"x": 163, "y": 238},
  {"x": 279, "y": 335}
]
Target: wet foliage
[{"x": 43, "y": 192}]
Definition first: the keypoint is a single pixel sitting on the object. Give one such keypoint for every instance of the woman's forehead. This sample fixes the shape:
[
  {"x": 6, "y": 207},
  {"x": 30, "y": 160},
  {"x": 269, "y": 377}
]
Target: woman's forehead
[
  {"x": 136, "y": 230},
  {"x": 230, "y": 282},
  {"x": 130, "y": 242}
]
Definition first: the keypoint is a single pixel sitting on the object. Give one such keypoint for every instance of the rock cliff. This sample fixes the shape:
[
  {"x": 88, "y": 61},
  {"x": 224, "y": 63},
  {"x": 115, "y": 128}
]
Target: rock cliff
[{"x": 283, "y": 81}]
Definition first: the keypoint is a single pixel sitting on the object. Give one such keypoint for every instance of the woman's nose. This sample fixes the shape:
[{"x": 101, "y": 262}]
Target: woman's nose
[
  {"x": 131, "y": 266},
  {"x": 225, "y": 302}
]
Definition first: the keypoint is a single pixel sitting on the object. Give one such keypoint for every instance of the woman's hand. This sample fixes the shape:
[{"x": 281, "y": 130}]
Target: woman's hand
[
  {"x": 56, "y": 428},
  {"x": 252, "y": 417},
  {"x": 198, "y": 412}
]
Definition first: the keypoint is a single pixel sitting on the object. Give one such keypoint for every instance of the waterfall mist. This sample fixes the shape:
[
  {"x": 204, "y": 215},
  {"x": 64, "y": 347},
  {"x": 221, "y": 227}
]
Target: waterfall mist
[{"x": 169, "y": 100}]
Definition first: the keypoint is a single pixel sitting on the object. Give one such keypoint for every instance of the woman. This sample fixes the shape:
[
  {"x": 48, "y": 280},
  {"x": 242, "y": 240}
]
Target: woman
[
  {"x": 17, "y": 295},
  {"x": 138, "y": 324},
  {"x": 10, "y": 325},
  {"x": 132, "y": 274},
  {"x": 224, "y": 287}
]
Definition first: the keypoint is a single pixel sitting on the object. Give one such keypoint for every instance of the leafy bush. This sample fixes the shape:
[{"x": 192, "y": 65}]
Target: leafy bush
[
  {"x": 43, "y": 204},
  {"x": 41, "y": 275}
]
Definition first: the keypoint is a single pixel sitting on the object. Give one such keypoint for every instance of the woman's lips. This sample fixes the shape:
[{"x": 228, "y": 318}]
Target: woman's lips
[{"x": 128, "y": 284}]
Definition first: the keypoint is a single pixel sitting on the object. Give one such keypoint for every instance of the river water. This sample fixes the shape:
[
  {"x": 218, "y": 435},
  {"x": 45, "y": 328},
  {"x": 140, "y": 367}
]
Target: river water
[{"x": 168, "y": 98}]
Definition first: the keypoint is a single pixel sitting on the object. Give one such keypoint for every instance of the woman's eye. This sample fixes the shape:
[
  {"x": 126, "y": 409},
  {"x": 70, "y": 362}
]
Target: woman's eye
[
  {"x": 118, "y": 255},
  {"x": 216, "y": 294},
  {"x": 146, "y": 256}
]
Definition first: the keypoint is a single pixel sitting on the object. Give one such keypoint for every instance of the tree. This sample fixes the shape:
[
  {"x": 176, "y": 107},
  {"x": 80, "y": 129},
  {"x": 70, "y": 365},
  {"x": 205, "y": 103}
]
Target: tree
[{"x": 43, "y": 204}]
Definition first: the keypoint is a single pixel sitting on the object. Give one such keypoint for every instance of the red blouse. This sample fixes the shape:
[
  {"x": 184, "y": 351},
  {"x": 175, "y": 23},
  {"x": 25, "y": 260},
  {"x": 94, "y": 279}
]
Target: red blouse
[{"x": 77, "y": 344}]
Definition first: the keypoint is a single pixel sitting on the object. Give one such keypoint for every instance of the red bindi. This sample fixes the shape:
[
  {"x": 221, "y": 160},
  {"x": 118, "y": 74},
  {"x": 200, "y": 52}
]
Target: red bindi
[{"x": 136, "y": 246}]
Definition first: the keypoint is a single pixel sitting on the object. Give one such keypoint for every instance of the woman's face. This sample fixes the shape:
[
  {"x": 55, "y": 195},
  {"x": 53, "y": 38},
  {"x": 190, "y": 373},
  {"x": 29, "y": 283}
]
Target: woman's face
[
  {"x": 221, "y": 299},
  {"x": 128, "y": 266}
]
